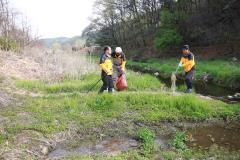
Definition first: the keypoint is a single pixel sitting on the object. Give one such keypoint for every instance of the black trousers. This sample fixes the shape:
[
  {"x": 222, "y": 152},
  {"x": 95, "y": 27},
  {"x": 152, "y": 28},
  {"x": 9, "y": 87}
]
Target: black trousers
[
  {"x": 189, "y": 76},
  {"x": 107, "y": 83}
]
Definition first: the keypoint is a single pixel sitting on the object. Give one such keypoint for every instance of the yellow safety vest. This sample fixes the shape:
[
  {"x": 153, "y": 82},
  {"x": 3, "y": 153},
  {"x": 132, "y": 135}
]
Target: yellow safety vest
[
  {"x": 106, "y": 64},
  {"x": 188, "y": 61}
]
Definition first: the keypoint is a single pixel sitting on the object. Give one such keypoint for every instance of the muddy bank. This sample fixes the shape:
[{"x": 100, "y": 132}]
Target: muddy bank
[
  {"x": 120, "y": 136},
  {"x": 201, "y": 135},
  {"x": 111, "y": 146},
  {"x": 223, "y": 135}
]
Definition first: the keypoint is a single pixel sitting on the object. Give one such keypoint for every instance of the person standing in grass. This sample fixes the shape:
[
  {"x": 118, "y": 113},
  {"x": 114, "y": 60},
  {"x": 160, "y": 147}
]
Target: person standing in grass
[
  {"x": 188, "y": 63},
  {"x": 106, "y": 65},
  {"x": 119, "y": 63}
]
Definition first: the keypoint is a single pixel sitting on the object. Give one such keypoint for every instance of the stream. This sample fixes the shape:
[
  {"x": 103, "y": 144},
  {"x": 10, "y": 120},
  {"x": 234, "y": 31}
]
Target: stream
[
  {"x": 209, "y": 89},
  {"x": 223, "y": 135},
  {"x": 202, "y": 136}
]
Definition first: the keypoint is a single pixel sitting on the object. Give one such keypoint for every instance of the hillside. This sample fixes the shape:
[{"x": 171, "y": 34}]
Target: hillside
[{"x": 64, "y": 41}]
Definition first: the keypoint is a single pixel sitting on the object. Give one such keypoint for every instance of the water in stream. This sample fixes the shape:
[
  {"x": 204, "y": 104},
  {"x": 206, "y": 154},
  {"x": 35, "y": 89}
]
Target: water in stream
[
  {"x": 200, "y": 87},
  {"x": 202, "y": 136},
  {"x": 223, "y": 135},
  {"x": 110, "y": 146}
]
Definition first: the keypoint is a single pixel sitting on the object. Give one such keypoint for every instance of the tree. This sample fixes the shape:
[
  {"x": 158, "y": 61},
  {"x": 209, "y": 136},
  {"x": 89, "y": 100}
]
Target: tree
[
  {"x": 13, "y": 36},
  {"x": 135, "y": 24}
]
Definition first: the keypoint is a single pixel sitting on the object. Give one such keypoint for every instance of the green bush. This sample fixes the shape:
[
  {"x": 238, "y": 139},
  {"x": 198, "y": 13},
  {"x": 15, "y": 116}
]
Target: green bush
[
  {"x": 146, "y": 137},
  {"x": 168, "y": 34},
  {"x": 178, "y": 141},
  {"x": 172, "y": 19},
  {"x": 3, "y": 137},
  {"x": 167, "y": 37},
  {"x": 7, "y": 44}
]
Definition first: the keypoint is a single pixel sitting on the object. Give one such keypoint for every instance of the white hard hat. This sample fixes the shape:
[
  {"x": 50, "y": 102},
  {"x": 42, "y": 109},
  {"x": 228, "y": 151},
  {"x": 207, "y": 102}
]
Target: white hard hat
[{"x": 118, "y": 50}]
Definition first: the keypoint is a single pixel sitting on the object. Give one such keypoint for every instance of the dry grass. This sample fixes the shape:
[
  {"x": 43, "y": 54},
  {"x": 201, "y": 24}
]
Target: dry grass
[
  {"x": 19, "y": 66},
  {"x": 47, "y": 65},
  {"x": 4, "y": 99}
]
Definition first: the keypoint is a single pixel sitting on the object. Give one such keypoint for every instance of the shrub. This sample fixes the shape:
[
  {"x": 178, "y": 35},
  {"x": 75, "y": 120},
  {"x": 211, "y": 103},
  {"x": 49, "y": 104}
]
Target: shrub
[
  {"x": 167, "y": 37},
  {"x": 172, "y": 19},
  {"x": 7, "y": 44},
  {"x": 178, "y": 141},
  {"x": 146, "y": 137},
  {"x": 168, "y": 34}
]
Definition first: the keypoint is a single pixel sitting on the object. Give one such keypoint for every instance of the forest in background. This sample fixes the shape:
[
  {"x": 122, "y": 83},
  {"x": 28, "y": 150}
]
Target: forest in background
[{"x": 155, "y": 27}]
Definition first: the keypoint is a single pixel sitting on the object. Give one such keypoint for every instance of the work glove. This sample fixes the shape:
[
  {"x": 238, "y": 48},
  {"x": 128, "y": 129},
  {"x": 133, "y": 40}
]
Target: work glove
[{"x": 180, "y": 64}]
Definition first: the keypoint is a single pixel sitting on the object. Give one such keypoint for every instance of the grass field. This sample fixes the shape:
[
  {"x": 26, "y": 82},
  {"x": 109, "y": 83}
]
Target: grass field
[
  {"x": 136, "y": 82},
  {"x": 94, "y": 110},
  {"x": 68, "y": 101},
  {"x": 64, "y": 104}
]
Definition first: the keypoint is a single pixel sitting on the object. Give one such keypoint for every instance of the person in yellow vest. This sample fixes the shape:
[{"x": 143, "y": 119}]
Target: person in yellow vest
[
  {"x": 106, "y": 65},
  {"x": 188, "y": 64},
  {"x": 119, "y": 64}
]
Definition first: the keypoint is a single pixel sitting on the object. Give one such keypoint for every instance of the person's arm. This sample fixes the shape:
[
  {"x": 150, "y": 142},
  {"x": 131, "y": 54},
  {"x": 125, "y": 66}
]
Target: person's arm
[
  {"x": 181, "y": 62},
  {"x": 123, "y": 66}
]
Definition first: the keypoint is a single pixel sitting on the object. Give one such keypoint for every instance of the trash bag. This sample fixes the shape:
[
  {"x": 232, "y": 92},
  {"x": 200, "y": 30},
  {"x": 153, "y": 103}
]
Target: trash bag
[{"x": 121, "y": 84}]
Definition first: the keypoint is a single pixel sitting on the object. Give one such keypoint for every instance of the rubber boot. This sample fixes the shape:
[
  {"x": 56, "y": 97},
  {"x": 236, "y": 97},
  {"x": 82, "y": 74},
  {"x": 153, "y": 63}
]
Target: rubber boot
[
  {"x": 188, "y": 91},
  {"x": 111, "y": 90}
]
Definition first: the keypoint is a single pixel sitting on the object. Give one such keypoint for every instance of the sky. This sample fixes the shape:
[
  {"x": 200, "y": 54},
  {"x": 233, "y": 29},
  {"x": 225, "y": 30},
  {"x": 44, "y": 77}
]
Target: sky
[{"x": 56, "y": 18}]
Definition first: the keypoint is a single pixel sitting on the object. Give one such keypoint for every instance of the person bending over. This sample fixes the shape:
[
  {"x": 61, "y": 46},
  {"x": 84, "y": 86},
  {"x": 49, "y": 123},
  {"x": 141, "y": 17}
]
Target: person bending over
[
  {"x": 119, "y": 63},
  {"x": 188, "y": 63}
]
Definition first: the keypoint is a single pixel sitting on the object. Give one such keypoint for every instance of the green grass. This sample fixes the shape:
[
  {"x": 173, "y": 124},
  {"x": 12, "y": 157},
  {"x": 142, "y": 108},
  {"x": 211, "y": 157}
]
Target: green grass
[
  {"x": 178, "y": 141},
  {"x": 67, "y": 85},
  {"x": 92, "y": 110},
  {"x": 2, "y": 138},
  {"x": 220, "y": 69},
  {"x": 54, "y": 113},
  {"x": 136, "y": 82},
  {"x": 147, "y": 139}
]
